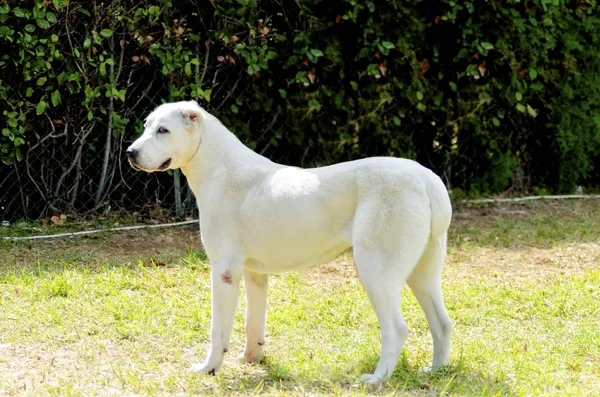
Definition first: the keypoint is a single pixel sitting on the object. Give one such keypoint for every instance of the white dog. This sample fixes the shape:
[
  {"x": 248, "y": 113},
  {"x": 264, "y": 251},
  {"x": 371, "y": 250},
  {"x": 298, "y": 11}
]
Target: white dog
[{"x": 258, "y": 218}]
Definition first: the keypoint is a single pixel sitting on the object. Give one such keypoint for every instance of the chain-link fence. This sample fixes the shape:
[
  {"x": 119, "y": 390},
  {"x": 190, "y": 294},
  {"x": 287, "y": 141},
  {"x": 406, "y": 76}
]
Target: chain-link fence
[
  {"x": 78, "y": 165},
  {"x": 70, "y": 112}
]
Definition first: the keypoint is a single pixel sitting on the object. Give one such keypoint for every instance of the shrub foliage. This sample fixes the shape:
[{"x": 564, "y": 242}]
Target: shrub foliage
[{"x": 490, "y": 94}]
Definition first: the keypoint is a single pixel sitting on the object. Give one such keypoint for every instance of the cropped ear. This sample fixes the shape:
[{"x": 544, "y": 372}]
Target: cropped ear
[{"x": 191, "y": 118}]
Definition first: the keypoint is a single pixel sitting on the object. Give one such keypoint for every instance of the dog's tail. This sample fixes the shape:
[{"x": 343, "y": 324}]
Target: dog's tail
[{"x": 441, "y": 207}]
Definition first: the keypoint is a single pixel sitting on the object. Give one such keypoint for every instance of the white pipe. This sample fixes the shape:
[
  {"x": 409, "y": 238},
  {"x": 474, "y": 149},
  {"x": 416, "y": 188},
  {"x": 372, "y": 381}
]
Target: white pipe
[
  {"x": 529, "y": 198},
  {"x": 111, "y": 229}
]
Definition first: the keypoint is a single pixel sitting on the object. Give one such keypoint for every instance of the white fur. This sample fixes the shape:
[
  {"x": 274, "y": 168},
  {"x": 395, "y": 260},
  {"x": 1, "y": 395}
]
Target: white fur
[{"x": 258, "y": 218}]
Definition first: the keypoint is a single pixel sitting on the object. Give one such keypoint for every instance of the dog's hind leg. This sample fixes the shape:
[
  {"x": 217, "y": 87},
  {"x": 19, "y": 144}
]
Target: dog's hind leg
[
  {"x": 256, "y": 315},
  {"x": 385, "y": 296},
  {"x": 383, "y": 275},
  {"x": 426, "y": 284}
]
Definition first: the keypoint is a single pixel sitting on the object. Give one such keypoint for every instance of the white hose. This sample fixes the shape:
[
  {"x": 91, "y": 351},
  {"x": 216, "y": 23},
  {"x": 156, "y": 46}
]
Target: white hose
[
  {"x": 110, "y": 229},
  {"x": 529, "y": 198}
]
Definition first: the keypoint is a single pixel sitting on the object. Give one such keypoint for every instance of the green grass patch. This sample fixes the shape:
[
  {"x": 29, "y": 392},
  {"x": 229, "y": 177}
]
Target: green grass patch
[{"x": 128, "y": 313}]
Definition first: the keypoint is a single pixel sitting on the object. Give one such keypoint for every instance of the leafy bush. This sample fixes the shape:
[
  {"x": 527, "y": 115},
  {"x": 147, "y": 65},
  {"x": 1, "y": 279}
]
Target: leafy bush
[{"x": 477, "y": 90}]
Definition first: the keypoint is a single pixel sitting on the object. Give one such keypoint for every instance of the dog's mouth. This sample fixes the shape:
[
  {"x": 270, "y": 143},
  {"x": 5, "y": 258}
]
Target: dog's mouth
[
  {"x": 165, "y": 165},
  {"x": 162, "y": 167},
  {"x": 134, "y": 165}
]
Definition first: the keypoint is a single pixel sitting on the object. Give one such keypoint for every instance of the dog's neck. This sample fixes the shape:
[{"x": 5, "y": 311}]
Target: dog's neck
[{"x": 219, "y": 152}]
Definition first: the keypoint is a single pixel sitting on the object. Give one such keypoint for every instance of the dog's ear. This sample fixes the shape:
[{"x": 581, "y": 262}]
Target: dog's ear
[{"x": 191, "y": 118}]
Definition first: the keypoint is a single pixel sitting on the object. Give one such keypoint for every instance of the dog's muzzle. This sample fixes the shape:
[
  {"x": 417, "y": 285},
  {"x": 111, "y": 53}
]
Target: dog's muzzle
[{"x": 131, "y": 155}]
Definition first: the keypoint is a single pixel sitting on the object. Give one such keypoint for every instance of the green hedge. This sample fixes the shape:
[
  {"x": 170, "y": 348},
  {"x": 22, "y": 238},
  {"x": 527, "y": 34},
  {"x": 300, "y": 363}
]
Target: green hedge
[{"x": 490, "y": 94}]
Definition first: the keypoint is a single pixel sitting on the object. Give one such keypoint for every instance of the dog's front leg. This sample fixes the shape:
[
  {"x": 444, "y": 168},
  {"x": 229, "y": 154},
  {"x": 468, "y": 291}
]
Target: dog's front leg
[
  {"x": 225, "y": 280},
  {"x": 256, "y": 315}
]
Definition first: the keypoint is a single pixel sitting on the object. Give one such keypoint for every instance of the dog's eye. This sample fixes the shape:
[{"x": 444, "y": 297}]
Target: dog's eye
[{"x": 162, "y": 130}]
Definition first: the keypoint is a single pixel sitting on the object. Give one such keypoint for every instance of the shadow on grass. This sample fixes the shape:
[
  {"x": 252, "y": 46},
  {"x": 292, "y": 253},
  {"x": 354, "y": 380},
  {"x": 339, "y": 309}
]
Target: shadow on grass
[{"x": 406, "y": 379}]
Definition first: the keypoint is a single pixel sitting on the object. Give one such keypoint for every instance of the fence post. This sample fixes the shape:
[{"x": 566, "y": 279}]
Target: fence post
[{"x": 177, "y": 185}]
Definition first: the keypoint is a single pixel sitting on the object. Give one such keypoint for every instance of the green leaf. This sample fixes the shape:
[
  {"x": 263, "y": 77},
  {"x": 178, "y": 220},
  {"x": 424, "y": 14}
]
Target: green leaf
[
  {"x": 19, "y": 12},
  {"x": 531, "y": 111},
  {"x": 103, "y": 69},
  {"x": 518, "y": 96},
  {"x": 6, "y": 132},
  {"x": 496, "y": 122},
  {"x": 316, "y": 52},
  {"x": 419, "y": 95},
  {"x": 41, "y": 107},
  {"x": 421, "y": 106},
  {"x": 188, "y": 68},
  {"x": 397, "y": 121},
  {"x": 7, "y": 32},
  {"x": 42, "y": 23},
  {"x": 388, "y": 45},
  {"x": 282, "y": 93},
  {"x": 234, "y": 108},
  {"x": 520, "y": 108},
  {"x": 354, "y": 85},
  {"x": 56, "y": 98},
  {"x": 7, "y": 160},
  {"x": 487, "y": 46},
  {"x": 537, "y": 86},
  {"x": 453, "y": 86},
  {"x": 90, "y": 115},
  {"x": 13, "y": 123},
  {"x": 51, "y": 17},
  {"x": 532, "y": 73},
  {"x": 106, "y": 33},
  {"x": 29, "y": 28},
  {"x": 41, "y": 81},
  {"x": 54, "y": 38},
  {"x": 109, "y": 61},
  {"x": 87, "y": 43},
  {"x": 29, "y": 92}
]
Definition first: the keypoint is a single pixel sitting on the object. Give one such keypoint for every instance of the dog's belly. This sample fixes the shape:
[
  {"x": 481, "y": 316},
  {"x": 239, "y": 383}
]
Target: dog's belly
[{"x": 274, "y": 262}]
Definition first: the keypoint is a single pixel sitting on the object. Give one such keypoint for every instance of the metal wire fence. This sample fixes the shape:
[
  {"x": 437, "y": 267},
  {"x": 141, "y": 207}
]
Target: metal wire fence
[
  {"x": 78, "y": 168},
  {"x": 67, "y": 161}
]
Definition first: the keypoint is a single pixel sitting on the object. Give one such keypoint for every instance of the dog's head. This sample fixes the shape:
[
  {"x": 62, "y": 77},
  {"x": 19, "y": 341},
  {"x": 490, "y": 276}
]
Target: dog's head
[{"x": 171, "y": 137}]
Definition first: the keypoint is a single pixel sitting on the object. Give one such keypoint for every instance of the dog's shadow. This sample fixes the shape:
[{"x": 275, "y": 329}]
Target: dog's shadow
[{"x": 455, "y": 378}]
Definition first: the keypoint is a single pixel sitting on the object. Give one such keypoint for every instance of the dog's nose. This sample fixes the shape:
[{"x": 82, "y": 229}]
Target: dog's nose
[{"x": 131, "y": 153}]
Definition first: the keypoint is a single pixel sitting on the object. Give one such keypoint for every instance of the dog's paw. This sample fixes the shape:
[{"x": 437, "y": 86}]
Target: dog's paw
[
  {"x": 432, "y": 369},
  {"x": 370, "y": 379},
  {"x": 203, "y": 368},
  {"x": 250, "y": 357}
]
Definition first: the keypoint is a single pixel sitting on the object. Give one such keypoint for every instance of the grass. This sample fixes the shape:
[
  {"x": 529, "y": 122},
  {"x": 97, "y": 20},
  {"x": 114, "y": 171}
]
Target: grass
[{"x": 128, "y": 313}]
